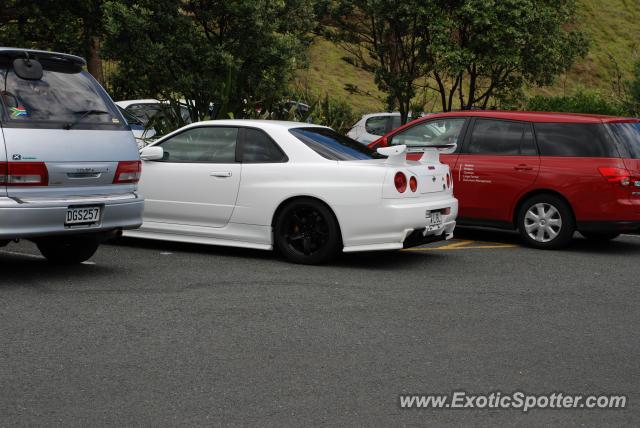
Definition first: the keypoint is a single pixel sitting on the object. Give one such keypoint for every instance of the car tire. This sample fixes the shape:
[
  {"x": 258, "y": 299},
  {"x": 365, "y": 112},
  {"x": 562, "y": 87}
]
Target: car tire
[
  {"x": 546, "y": 222},
  {"x": 68, "y": 250},
  {"x": 307, "y": 232},
  {"x": 600, "y": 236}
]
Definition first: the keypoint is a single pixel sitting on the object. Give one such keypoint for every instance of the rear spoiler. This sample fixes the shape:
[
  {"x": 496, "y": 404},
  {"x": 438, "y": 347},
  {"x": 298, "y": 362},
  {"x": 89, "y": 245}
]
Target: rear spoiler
[
  {"x": 396, "y": 155},
  {"x": 13, "y": 53}
]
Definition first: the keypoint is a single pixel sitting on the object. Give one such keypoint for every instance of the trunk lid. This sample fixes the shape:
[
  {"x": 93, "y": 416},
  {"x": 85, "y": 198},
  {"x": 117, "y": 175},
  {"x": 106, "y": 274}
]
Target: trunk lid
[{"x": 78, "y": 162}]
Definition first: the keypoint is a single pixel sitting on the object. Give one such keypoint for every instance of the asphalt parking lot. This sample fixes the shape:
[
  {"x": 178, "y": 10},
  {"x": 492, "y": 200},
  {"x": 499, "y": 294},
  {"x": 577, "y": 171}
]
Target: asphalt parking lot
[{"x": 162, "y": 334}]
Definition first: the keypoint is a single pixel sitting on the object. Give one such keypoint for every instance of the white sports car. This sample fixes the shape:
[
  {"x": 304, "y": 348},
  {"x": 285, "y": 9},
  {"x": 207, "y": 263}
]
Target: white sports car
[{"x": 303, "y": 189}]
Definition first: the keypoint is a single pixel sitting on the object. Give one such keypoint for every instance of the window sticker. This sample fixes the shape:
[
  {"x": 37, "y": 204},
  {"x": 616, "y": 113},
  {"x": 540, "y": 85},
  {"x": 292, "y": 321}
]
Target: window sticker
[{"x": 18, "y": 112}]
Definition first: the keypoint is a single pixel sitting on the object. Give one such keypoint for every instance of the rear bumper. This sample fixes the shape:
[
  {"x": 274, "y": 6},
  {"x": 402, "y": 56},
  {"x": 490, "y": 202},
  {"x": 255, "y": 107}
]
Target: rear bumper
[
  {"x": 420, "y": 237},
  {"x": 398, "y": 224},
  {"x": 609, "y": 226},
  {"x": 45, "y": 217}
]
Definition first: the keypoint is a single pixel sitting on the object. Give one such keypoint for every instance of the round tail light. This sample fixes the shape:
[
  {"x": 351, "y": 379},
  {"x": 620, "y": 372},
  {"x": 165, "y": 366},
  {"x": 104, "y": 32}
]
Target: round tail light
[
  {"x": 413, "y": 184},
  {"x": 400, "y": 180}
]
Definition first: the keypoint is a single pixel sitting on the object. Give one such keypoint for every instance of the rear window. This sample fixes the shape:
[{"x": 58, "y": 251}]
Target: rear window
[
  {"x": 574, "y": 140},
  {"x": 333, "y": 146},
  {"x": 64, "y": 95},
  {"x": 628, "y": 134}
]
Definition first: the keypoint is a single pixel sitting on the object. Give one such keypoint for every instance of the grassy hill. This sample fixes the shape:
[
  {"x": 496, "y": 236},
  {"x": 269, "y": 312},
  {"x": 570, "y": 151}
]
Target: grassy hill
[{"x": 612, "y": 25}]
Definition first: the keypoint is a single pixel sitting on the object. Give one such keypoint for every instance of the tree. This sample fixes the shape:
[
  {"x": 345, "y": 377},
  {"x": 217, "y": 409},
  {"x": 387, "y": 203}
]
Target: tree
[
  {"x": 386, "y": 38},
  {"x": 484, "y": 49},
  {"x": 467, "y": 51},
  {"x": 234, "y": 54},
  {"x": 71, "y": 26}
]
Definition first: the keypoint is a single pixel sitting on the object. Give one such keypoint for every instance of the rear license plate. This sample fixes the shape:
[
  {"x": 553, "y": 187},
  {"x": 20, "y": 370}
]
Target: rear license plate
[
  {"x": 82, "y": 215},
  {"x": 435, "y": 220}
]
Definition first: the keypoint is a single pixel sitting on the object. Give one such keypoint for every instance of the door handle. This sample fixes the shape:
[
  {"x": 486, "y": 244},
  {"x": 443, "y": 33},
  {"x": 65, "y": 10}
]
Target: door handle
[
  {"x": 523, "y": 167},
  {"x": 222, "y": 174}
]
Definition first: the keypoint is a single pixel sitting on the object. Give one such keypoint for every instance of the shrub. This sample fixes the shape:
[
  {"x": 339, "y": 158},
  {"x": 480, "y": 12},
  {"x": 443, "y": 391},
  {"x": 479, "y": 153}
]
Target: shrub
[{"x": 581, "y": 102}]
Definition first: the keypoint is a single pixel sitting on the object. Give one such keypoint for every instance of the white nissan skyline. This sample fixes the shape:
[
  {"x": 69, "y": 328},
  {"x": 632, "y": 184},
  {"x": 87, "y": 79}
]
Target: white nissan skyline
[{"x": 302, "y": 189}]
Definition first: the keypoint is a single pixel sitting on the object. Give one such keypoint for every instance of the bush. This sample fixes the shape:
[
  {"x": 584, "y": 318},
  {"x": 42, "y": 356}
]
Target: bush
[{"x": 581, "y": 102}]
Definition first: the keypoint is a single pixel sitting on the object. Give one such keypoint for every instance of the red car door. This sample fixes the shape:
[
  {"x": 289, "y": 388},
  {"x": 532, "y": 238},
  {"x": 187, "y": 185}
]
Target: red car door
[{"x": 498, "y": 163}]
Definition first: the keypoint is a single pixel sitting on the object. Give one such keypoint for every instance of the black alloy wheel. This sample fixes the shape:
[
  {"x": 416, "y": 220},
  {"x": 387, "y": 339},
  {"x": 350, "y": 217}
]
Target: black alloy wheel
[{"x": 306, "y": 232}]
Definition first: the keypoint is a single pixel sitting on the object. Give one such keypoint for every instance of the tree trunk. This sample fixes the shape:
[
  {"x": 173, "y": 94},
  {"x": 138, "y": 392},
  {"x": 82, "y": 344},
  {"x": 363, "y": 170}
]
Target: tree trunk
[
  {"x": 94, "y": 60},
  {"x": 404, "y": 111}
]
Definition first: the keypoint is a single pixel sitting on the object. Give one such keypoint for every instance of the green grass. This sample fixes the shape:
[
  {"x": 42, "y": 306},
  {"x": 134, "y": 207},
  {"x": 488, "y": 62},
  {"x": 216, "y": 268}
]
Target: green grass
[
  {"x": 612, "y": 25},
  {"x": 328, "y": 73}
]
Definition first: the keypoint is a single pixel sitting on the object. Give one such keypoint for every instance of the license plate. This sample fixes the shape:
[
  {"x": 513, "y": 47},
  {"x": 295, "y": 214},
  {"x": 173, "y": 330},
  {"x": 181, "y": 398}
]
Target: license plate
[
  {"x": 82, "y": 215},
  {"x": 435, "y": 220}
]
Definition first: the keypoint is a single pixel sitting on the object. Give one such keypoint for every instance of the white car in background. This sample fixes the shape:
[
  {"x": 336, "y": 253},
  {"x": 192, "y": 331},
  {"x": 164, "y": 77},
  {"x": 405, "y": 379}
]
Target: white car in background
[
  {"x": 143, "y": 134},
  {"x": 146, "y": 109},
  {"x": 300, "y": 188},
  {"x": 373, "y": 126}
]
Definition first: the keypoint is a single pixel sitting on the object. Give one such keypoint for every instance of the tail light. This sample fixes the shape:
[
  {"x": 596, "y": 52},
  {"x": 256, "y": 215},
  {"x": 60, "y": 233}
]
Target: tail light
[
  {"x": 128, "y": 172},
  {"x": 400, "y": 180},
  {"x": 446, "y": 211},
  {"x": 620, "y": 176},
  {"x": 413, "y": 184},
  {"x": 24, "y": 174}
]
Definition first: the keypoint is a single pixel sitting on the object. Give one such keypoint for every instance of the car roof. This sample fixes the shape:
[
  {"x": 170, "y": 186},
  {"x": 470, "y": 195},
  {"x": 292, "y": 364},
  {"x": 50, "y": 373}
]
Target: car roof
[
  {"x": 533, "y": 116},
  {"x": 127, "y": 103},
  {"x": 20, "y": 53},
  {"x": 273, "y": 124},
  {"x": 381, "y": 113}
]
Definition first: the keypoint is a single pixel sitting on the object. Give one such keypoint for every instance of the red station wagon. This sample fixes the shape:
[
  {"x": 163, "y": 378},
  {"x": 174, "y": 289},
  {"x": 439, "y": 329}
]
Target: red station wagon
[{"x": 544, "y": 174}]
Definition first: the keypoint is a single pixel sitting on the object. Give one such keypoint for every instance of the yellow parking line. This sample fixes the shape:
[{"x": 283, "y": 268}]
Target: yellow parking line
[{"x": 465, "y": 245}]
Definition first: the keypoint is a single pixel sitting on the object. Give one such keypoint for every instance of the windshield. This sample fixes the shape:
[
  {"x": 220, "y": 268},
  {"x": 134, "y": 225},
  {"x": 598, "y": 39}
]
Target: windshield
[
  {"x": 629, "y": 135},
  {"x": 61, "y": 97},
  {"x": 333, "y": 146}
]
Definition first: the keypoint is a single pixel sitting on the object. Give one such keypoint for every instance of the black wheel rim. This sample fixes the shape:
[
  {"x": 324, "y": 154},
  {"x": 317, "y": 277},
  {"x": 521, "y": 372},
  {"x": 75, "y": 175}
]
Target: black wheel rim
[{"x": 306, "y": 231}]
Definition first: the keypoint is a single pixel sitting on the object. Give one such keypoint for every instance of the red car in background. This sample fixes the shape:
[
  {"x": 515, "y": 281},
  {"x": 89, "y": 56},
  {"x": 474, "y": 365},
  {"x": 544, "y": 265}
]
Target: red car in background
[{"x": 544, "y": 174}]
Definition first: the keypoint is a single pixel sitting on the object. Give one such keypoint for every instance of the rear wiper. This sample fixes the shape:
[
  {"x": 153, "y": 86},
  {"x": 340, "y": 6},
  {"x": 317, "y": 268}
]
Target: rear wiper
[{"x": 85, "y": 113}]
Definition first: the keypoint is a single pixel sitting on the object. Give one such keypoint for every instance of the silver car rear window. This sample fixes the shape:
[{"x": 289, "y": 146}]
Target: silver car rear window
[{"x": 61, "y": 97}]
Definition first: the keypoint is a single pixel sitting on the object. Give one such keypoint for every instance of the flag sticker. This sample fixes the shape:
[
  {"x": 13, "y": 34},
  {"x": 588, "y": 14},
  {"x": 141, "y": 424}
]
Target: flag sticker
[{"x": 18, "y": 112}]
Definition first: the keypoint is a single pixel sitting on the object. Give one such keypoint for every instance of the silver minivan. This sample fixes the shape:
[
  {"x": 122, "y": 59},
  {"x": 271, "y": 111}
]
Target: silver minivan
[{"x": 69, "y": 164}]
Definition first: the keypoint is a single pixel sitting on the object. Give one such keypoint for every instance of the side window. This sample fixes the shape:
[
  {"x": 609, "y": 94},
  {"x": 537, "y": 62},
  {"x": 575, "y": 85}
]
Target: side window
[
  {"x": 574, "y": 140},
  {"x": 184, "y": 113},
  {"x": 395, "y": 122},
  {"x": 202, "y": 145},
  {"x": 376, "y": 125},
  {"x": 431, "y": 133},
  {"x": 258, "y": 147},
  {"x": 500, "y": 137}
]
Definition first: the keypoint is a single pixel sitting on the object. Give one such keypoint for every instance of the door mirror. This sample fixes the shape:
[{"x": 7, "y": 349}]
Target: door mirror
[{"x": 152, "y": 153}]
